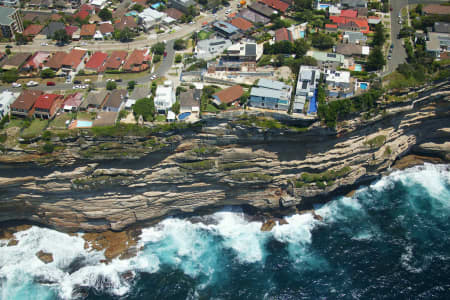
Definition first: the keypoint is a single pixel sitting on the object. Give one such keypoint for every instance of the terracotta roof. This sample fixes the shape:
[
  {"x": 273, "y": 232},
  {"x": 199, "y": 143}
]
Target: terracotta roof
[
  {"x": 436, "y": 9},
  {"x": 33, "y": 29},
  {"x": 88, "y": 30},
  {"x": 349, "y": 13},
  {"x": 71, "y": 30},
  {"x": 116, "y": 59},
  {"x": 37, "y": 60},
  {"x": 46, "y": 101},
  {"x": 136, "y": 58},
  {"x": 331, "y": 26},
  {"x": 283, "y": 34},
  {"x": 106, "y": 28},
  {"x": 87, "y": 7},
  {"x": 276, "y": 4},
  {"x": 55, "y": 62},
  {"x": 174, "y": 13},
  {"x": 116, "y": 98},
  {"x": 359, "y": 22},
  {"x": 126, "y": 22},
  {"x": 82, "y": 14},
  {"x": 96, "y": 61},
  {"x": 230, "y": 94},
  {"x": 26, "y": 99},
  {"x": 74, "y": 58},
  {"x": 241, "y": 23}
]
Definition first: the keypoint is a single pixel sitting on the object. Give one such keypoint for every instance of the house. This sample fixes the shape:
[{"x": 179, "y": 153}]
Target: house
[
  {"x": 74, "y": 61},
  {"x": 271, "y": 94},
  {"x": 139, "y": 92},
  {"x": 51, "y": 28},
  {"x": 105, "y": 118},
  {"x": 72, "y": 102},
  {"x": 276, "y": 4},
  {"x": 106, "y": 28},
  {"x": 126, "y": 22},
  {"x": 438, "y": 43},
  {"x": 99, "y": 4},
  {"x": 23, "y": 105},
  {"x": 139, "y": 60},
  {"x": 349, "y": 13},
  {"x": 165, "y": 97},
  {"x": 354, "y": 37},
  {"x": 182, "y": 5},
  {"x": 96, "y": 63},
  {"x": 56, "y": 60},
  {"x": 47, "y": 105},
  {"x": 10, "y": 21},
  {"x": 330, "y": 28},
  {"x": 338, "y": 84},
  {"x": 327, "y": 60},
  {"x": 349, "y": 49},
  {"x": 32, "y": 30},
  {"x": 6, "y": 99},
  {"x": 70, "y": 30},
  {"x": 373, "y": 20},
  {"x": 262, "y": 9},
  {"x": 242, "y": 24},
  {"x": 253, "y": 16},
  {"x": 354, "y": 3},
  {"x": 225, "y": 29},
  {"x": 82, "y": 15},
  {"x": 115, "y": 101},
  {"x": 436, "y": 9},
  {"x": 238, "y": 57},
  {"x": 87, "y": 31},
  {"x": 190, "y": 101},
  {"x": 150, "y": 17},
  {"x": 94, "y": 101},
  {"x": 98, "y": 36},
  {"x": 283, "y": 34},
  {"x": 174, "y": 13},
  {"x": 229, "y": 95},
  {"x": 115, "y": 60},
  {"x": 56, "y": 17},
  {"x": 308, "y": 80},
  {"x": 15, "y": 62},
  {"x": 36, "y": 61},
  {"x": 351, "y": 24},
  {"x": 441, "y": 27},
  {"x": 210, "y": 48},
  {"x": 298, "y": 31}
]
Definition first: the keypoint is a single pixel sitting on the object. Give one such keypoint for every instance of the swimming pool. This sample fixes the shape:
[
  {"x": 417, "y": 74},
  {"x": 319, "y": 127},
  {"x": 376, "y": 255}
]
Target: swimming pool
[
  {"x": 184, "y": 116},
  {"x": 156, "y": 5},
  {"x": 358, "y": 68},
  {"x": 84, "y": 124},
  {"x": 363, "y": 85}
]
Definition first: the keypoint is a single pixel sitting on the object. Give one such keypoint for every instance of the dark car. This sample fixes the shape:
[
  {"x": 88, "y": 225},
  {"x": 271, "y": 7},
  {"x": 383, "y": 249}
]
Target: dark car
[
  {"x": 118, "y": 80},
  {"x": 8, "y": 46},
  {"x": 77, "y": 81}
]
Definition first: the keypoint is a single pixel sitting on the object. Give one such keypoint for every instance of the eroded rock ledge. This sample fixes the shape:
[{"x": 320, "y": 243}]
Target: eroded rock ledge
[{"x": 281, "y": 172}]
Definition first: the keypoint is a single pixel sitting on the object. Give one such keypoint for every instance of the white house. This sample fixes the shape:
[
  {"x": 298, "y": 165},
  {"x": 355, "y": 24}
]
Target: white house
[
  {"x": 210, "y": 48},
  {"x": 150, "y": 17},
  {"x": 165, "y": 97},
  {"x": 6, "y": 99}
]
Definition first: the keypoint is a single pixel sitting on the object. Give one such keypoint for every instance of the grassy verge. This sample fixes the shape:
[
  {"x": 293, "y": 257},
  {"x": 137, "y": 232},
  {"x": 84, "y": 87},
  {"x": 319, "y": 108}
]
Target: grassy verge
[{"x": 252, "y": 177}]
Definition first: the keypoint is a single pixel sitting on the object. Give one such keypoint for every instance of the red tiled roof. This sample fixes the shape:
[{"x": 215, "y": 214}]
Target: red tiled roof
[
  {"x": 96, "y": 61},
  {"x": 46, "y": 101},
  {"x": 37, "y": 60},
  {"x": 276, "y": 4},
  {"x": 33, "y": 29},
  {"x": 136, "y": 58},
  {"x": 116, "y": 59},
  {"x": 82, "y": 14},
  {"x": 174, "y": 13},
  {"x": 436, "y": 9},
  {"x": 283, "y": 34},
  {"x": 241, "y": 23},
  {"x": 360, "y": 22},
  {"x": 88, "y": 30},
  {"x": 74, "y": 58},
  {"x": 106, "y": 28},
  {"x": 71, "y": 30},
  {"x": 87, "y": 7},
  {"x": 230, "y": 94},
  {"x": 331, "y": 26},
  {"x": 349, "y": 13},
  {"x": 55, "y": 62}
]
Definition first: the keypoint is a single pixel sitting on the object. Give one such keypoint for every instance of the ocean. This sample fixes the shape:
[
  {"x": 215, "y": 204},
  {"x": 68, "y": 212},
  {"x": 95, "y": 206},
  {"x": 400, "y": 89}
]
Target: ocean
[{"x": 390, "y": 240}]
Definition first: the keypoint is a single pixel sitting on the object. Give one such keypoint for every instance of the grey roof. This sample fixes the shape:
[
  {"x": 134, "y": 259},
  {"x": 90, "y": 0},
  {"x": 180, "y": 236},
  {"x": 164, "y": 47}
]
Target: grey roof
[
  {"x": 262, "y": 9},
  {"x": 349, "y": 49},
  {"x": 5, "y": 13},
  {"x": 52, "y": 27},
  {"x": 94, "y": 98},
  {"x": 354, "y": 36},
  {"x": 226, "y": 27},
  {"x": 253, "y": 16},
  {"x": 140, "y": 92},
  {"x": 442, "y": 27},
  {"x": 116, "y": 98},
  {"x": 437, "y": 40},
  {"x": 354, "y": 3},
  {"x": 189, "y": 98},
  {"x": 271, "y": 84},
  {"x": 250, "y": 49},
  {"x": 265, "y": 92}
]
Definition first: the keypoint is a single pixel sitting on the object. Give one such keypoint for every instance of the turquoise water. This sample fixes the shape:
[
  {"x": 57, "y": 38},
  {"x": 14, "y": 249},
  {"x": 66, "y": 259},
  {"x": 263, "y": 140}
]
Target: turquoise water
[
  {"x": 184, "y": 115},
  {"x": 358, "y": 68},
  {"x": 363, "y": 85},
  {"x": 84, "y": 124},
  {"x": 390, "y": 240}
]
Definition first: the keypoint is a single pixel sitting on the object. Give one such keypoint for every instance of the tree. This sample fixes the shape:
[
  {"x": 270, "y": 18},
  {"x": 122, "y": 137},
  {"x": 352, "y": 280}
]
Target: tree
[
  {"x": 191, "y": 11},
  {"x": 48, "y": 147},
  {"x": 20, "y": 39},
  {"x": 178, "y": 58},
  {"x": 179, "y": 45},
  {"x": 159, "y": 48},
  {"x": 156, "y": 58},
  {"x": 376, "y": 59},
  {"x": 144, "y": 107},
  {"x": 303, "y": 4},
  {"x": 10, "y": 75},
  {"x": 176, "y": 107},
  {"x": 61, "y": 36},
  {"x": 137, "y": 7},
  {"x": 125, "y": 35},
  {"x": 111, "y": 85},
  {"x": 301, "y": 46},
  {"x": 105, "y": 14},
  {"x": 379, "y": 38},
  {"x": 8, "y": 51},
  {"x": 322, "y": 41},
  {"x": 131, "y": 85},
  {"x": 47, "y": 73},
  {"x": 419, "y": 8},
  {"x": 279, "y": 60}
]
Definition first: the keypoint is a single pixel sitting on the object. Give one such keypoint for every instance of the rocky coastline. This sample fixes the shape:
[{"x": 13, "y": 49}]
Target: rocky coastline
[{"x": 269, "y": 172}]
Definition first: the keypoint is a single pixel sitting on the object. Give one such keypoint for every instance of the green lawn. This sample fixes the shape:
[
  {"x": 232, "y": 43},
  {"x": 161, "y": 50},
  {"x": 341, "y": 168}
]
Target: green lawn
[
  {"x": 35, "y": 129},
  {"x": 126, "y": 76},
  {"x": 211, "y": 108},
  {"x": 203, "y": 35},
  {"x": 83, "y": 115},
  {"x": 60, "y": 121},
  {"x": 15, "y": 123}
]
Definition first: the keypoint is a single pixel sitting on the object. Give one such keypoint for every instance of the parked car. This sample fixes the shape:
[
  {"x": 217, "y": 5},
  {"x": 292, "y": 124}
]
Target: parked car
[
  {"x": 87, "y": 80},
  {"x": 8, "y": 46},
  {"x": 32, "y": 83},
  {"x": 44, "y": 44},
  {"x": 50, "y": 83},
  {"x": 77, "y": 81},
  {"x": 76, "y": 87},
  {"x": 165, "y": 53},
  {"x": 16, "y": 85},
  {"x": 118, "y": 80},
  {"x": 392, "y": 46}
]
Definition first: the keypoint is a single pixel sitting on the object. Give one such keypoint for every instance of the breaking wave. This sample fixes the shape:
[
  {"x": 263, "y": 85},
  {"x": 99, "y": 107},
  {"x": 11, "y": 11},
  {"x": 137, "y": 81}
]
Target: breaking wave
[{"x": 384, "y": 240}]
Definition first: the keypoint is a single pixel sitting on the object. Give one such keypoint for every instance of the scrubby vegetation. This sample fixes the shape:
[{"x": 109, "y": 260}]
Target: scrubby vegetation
[
  {"x": 265, "y": 122},
  {"x": 321, "y": 180},
  {"x": 254, "y": 176},
  {"x": 199, "y": 165},
  {"x": 376, "y": 142}
]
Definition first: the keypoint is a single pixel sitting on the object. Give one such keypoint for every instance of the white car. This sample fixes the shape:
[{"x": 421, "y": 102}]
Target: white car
[
  {"x": 32, "y": 83},
  {"x": 228, "y": 11},
  {"x": 44, "y": 44},
  {"x": 76, "y": 87},
  {"x": 16, "y": 85}
]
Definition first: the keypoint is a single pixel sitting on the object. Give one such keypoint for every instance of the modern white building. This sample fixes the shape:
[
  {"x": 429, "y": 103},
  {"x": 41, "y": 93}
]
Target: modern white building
[
  {"x": 165, "y": 97},
  {"x": 150, "y": 17},
  {"x": 6, "y": 99},
  {"x": 308, "y": 80},
  {"x": 99, "y": 3},
  {"x": 208, "y": 49}
]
